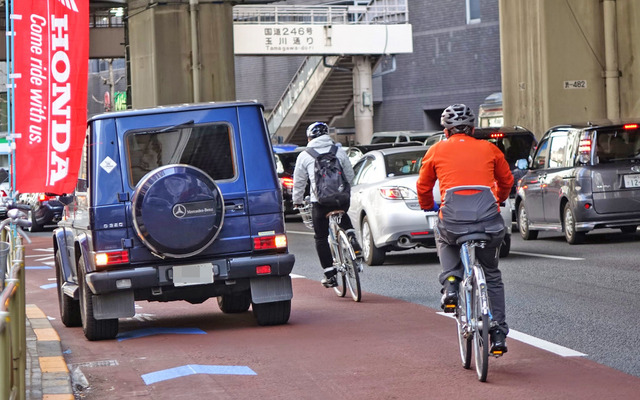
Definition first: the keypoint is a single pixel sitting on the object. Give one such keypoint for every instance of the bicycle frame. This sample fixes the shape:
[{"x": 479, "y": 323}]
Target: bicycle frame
[
  {"x": 468, "y": 250},
  {"x": 343, "y": 258}
]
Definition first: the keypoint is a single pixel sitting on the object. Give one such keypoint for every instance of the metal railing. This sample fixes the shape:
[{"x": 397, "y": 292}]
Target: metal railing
[
  {"x": 13, "y": 343},
  {"x": 379, "y": 12}
]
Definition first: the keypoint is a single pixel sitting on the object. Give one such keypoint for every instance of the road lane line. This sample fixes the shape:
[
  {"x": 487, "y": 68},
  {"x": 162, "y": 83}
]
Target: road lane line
[
  {"x": 534, "y": 341},
  {"x": 186, "y": 370},
  {"x": 522, "y": 253},
  {"x": 300, "y": 232}
]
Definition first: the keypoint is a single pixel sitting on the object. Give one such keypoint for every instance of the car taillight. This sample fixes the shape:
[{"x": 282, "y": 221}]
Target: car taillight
[
  {"x": 584, "y": 147},
  {"x": 631, "y": 126},
  {"x": 496, "y": 135},
  {"x": 106, "y": 258},
  {"x": 398, "y": 193},
  {"x": 43, "y": 197},
  {"x": 270, "y": 242},
  {"x": 3, "y": 193},
  {"x": 287, "y": 182}
]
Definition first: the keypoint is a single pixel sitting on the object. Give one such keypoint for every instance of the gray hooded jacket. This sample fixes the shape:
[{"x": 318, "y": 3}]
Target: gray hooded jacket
[{"x": 305, "y": 163}]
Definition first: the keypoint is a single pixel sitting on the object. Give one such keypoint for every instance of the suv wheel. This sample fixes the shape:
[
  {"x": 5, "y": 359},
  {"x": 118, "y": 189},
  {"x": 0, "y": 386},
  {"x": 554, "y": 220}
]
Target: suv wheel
[
  {"x": 177, "y": 210},
  {"x": 234, "y": 303},
  {"x": 523, "y": 224},
  {"x": 371, "y": 254},
  {"x": 275, "y": 313},
  {"x": 69, "y": 308},
  {"x": 94, "y": 329},
  {"x": 569, "y": 222}
]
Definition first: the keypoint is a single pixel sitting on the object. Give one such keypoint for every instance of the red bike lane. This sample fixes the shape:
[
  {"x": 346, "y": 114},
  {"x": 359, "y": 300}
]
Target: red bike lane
[{"x": 332, "y": 347}]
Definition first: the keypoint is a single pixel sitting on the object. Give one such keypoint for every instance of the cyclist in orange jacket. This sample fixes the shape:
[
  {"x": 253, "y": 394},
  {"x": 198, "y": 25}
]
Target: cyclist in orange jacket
[{"x": 463, "y": 160}]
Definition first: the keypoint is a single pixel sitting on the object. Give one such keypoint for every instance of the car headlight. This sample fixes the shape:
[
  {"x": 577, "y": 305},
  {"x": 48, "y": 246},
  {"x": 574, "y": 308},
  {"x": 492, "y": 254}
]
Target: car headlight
[{"x": 398, "y": 193}]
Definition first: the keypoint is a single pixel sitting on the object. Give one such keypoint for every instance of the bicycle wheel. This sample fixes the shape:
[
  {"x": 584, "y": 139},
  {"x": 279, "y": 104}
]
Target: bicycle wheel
[
  {"x": 351, "y": 268},
  {"x": 481, "y": 334},
  {"x": 341, "y": 289},
  {"x": 464, "y": 339}
]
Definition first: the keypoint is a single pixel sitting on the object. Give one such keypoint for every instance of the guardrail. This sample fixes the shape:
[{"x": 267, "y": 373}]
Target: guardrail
[{"x": 13, "y": 342}]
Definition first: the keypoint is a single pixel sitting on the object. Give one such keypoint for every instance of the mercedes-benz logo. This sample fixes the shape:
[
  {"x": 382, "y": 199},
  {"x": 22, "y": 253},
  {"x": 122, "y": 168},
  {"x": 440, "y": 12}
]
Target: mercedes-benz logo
[{"x": 179, "y": 211}]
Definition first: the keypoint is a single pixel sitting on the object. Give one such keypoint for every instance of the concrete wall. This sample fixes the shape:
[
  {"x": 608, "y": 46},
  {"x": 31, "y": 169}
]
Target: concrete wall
[{"x": 547, "y": 44}]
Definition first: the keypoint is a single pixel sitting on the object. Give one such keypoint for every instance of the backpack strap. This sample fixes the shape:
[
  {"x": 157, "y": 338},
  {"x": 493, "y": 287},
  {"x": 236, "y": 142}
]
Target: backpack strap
[
  {"x": 313, "y": 153},
  {"x": 334, "y": 149}
]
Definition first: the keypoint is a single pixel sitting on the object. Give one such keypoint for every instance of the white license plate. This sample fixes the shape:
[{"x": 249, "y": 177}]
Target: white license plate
[
  {"x": 195, "y": 274},
  {"x": 432, "y": 221},
  {"x": 631, "y": 181}
]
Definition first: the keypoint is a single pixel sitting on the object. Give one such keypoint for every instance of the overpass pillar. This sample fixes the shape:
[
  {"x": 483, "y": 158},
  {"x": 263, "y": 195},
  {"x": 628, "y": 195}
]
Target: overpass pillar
[
  {"x": 181, "y": 52},
  {"x": 362, "y": 99}
]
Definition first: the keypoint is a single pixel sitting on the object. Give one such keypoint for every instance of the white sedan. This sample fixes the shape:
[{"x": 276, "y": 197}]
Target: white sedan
[{"x": 384, "y": 204}]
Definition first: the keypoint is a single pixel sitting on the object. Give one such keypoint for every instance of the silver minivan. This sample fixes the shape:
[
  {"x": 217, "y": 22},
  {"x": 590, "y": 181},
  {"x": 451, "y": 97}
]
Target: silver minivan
[{"x": 582, "y": 177}]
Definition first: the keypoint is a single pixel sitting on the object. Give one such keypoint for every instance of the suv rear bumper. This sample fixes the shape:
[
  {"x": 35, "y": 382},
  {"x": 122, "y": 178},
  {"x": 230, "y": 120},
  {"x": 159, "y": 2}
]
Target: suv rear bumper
[{"x": 148, "y": 277}]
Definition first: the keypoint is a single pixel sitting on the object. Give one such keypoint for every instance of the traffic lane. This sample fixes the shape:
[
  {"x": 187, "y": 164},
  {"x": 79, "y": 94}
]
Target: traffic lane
[
  {"x": 568, "y": 295},
  {"x": 332, "y": 347}
]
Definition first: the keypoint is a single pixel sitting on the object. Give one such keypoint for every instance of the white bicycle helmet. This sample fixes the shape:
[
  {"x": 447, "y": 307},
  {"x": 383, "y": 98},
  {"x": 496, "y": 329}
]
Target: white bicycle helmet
[
  {"x": 317, "y": 129},
  {"x": 457, "y": 116}
]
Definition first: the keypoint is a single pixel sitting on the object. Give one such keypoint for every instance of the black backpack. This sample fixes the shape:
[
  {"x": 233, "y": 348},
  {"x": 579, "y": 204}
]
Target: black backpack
[{"x": 332, "y": 187}]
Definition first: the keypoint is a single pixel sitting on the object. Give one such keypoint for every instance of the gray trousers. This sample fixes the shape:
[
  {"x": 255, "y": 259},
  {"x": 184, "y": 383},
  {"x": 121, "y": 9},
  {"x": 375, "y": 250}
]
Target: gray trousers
[{"x": 449, "y": 254}]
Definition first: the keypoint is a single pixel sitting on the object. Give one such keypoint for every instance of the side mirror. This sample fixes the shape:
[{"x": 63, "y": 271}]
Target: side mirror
[{"x": 522, "y": 164}]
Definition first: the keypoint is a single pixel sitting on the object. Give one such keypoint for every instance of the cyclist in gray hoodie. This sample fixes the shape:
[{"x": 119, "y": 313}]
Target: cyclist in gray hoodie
[{"x": 320, "y": 141}]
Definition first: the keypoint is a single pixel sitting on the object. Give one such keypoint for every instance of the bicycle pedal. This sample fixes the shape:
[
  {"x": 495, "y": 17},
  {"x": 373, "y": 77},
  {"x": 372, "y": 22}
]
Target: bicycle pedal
[
  {"x": 449, "y": 308},
  {"x": 497, "y": 353}
]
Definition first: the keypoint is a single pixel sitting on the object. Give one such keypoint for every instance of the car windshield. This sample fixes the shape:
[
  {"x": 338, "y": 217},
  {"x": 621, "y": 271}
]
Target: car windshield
[
  {"x": 617, "y": 144},
  {"x": 407, "y": 163}
]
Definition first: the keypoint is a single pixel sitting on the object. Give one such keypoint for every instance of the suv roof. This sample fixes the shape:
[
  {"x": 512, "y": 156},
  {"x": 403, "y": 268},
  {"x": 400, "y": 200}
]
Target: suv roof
[{"x": 401, "y": 136}]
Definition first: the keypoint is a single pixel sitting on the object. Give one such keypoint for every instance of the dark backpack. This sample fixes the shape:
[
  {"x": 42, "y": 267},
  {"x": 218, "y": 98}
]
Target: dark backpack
[{"x": 332, "y": 187}]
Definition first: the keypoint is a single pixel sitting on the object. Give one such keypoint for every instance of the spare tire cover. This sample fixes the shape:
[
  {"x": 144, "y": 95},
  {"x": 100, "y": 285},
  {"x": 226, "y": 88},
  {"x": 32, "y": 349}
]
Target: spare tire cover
[{"x": 178, "y": 210}]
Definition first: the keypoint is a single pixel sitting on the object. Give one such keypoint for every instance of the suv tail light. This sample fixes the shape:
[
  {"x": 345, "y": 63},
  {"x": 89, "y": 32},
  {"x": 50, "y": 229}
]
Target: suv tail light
[
  {"x": 270, "y": 242},
  {"x": 106, "y": 258},
  {"x": 585, "y": 146},
  {"x": 496, "y": 135},
  {"x": 43, "y": 197},
  {"x": 631, "y": 126}
]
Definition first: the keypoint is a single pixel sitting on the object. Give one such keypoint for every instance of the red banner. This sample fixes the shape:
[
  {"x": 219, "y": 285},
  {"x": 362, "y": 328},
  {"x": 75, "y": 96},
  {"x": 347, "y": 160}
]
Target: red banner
[{"x": 51, "y": 56}]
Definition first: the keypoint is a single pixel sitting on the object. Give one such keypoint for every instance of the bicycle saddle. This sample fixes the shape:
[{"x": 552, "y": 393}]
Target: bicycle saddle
[{"x": 474, "y": 236}]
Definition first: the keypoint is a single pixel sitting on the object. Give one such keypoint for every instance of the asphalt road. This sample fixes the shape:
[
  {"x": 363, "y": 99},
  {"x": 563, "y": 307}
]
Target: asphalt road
[
  {"x": 393, "y": 345},
  {"x": 583, "y": 297}
]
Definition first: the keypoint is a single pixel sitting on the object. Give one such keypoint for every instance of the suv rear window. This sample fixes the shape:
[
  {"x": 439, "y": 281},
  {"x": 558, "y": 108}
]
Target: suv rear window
[
  {"x": 617, "y": 144},
  {"x": 207, "y": 147}
]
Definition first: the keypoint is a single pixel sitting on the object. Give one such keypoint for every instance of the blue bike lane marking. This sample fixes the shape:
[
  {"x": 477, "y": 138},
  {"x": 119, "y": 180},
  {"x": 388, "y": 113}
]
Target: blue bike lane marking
[{"x": 193, "y": 369}]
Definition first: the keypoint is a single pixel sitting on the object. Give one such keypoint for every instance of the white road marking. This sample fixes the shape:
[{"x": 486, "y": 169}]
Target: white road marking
[
  {"x": 522, "y": 253},
  {"x": 295, "y": 276},
  {"x": 535, "y": 342}
]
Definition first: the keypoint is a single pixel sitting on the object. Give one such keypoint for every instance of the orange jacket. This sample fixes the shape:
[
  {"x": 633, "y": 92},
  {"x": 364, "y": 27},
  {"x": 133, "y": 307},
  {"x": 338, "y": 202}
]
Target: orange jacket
[{"x": 463, "y": 160}]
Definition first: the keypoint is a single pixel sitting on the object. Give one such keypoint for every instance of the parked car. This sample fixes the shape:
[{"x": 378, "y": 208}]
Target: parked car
[
  {"x": 285, "y": 165},
  {"x": 401, "y": 136},
  {"x": 582, "y": 177},
  {"x": 435, "y": 138},
  {"x": 174, "y": 203},
  {"x": 46, "y": 209},
  {"x": 516, "y": 143},
  {"x": 384, "y": 204}
]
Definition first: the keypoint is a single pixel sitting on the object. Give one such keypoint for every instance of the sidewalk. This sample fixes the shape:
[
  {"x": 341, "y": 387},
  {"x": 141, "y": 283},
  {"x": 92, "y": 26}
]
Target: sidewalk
[{"x": 47, "y": 376}]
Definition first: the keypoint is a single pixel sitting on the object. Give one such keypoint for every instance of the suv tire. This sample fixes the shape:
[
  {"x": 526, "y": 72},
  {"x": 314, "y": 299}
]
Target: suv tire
[
  {"x": 69, "y": 308},
  {"x": 186, "y": 198},
  {"x": 569, "y": 224},
  {"x": 234, "y": 303},
  {"x": 523, "y": 224},
  {"x": 275, "y": 313},
  {"x": 93, "y": 329}
]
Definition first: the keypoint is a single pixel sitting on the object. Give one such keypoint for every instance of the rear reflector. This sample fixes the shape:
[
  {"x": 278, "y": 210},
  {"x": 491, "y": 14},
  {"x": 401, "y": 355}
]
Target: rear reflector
[{"x": 263, "y": 269}]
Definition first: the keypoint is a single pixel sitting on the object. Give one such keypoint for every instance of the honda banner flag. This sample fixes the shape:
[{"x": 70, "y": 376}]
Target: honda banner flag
[{"x": 51, "y": 55}]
